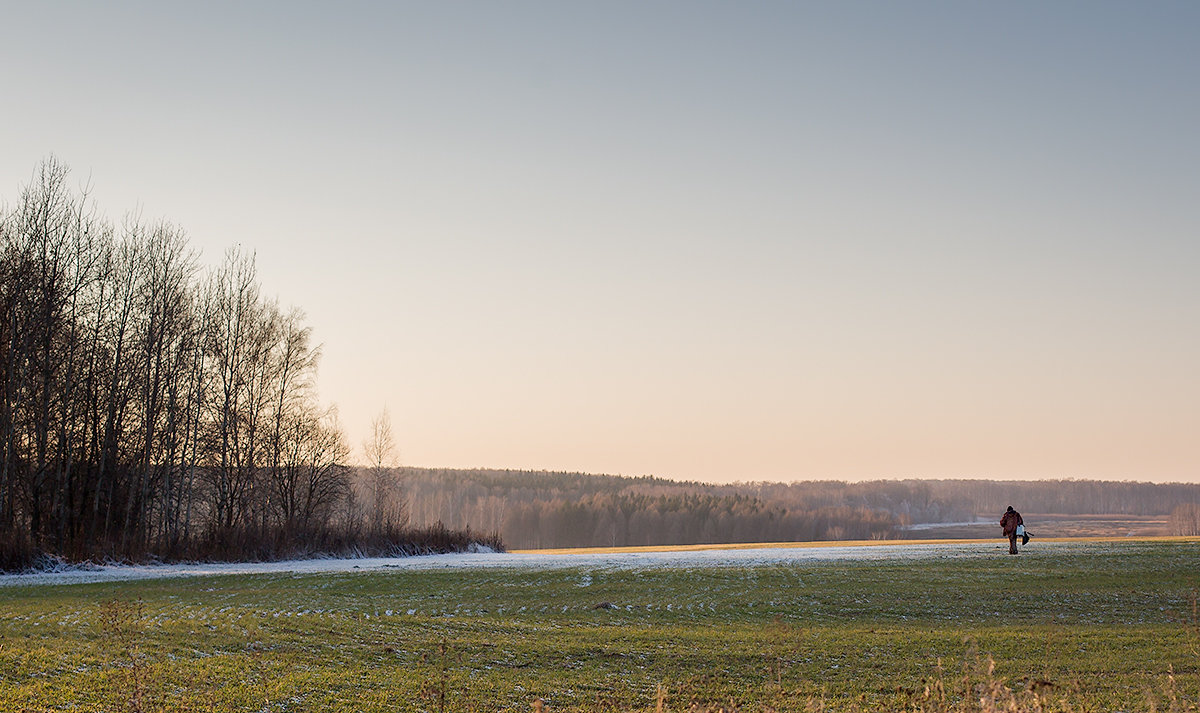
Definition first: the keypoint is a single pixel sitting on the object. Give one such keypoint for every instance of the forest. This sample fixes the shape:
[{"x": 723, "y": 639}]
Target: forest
[
  {"x": 150, "y": 408},
  {"x": 543, "y": 509}
]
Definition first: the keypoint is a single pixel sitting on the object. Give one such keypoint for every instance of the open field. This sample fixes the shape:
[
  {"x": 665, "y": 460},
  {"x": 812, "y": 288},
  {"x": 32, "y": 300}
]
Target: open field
[
  {"x": 1056, "y": 525},
  {"x": 1079, "y": 626}
]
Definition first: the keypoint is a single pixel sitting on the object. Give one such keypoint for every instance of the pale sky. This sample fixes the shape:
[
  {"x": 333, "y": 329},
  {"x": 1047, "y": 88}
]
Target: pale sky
[{"x": 714, "y": 241}]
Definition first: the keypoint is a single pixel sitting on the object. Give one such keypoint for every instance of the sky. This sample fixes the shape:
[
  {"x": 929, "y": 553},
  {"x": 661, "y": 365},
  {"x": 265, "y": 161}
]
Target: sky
[{"x": 700, "y": 240}]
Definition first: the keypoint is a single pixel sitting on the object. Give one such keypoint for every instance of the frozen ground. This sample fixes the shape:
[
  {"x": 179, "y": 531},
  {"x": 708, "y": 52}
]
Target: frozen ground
[
  {"x": 491, "y": 560},
  {"x": 940, "y": 525}
]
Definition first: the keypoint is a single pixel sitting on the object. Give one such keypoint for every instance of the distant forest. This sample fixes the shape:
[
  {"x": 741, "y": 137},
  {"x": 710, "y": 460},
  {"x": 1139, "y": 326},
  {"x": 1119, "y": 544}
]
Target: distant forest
[
  {"x": 540, "y": 509},
  {"x": 150, "y": 408}
]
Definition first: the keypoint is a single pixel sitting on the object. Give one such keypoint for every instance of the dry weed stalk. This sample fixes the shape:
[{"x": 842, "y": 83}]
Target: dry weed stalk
[{"x": 120, "y": 624}]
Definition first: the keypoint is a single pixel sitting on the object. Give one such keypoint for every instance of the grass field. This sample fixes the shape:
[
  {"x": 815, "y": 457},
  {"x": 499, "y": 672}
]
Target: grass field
[{"x": 1095, "y": 626}]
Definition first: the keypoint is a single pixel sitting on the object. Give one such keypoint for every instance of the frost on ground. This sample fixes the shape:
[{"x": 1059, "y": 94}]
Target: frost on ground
[
  {"x": 493, "y": 560},
  {"x": 942, "y": 525}
]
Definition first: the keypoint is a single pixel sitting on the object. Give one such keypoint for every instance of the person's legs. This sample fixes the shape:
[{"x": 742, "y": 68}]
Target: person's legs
[{"x": 1012, "y": 544}]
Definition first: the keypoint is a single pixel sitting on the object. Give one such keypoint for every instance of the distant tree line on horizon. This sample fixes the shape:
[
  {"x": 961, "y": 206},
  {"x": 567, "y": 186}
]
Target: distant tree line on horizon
[
  {"x": 149, "y": 407},
  {"x": 549, "y": 509}
]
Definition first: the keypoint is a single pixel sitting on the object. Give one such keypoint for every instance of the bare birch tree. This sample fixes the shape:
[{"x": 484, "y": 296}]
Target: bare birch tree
[{"x": 385, "y": 501}]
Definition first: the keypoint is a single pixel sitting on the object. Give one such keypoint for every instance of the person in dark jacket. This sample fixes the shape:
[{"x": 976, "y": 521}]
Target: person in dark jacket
[{"x": 1008, "y": 524}]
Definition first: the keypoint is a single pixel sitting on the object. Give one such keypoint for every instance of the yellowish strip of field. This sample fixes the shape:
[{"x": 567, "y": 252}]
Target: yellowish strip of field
[{"x": 830, "y": 543}]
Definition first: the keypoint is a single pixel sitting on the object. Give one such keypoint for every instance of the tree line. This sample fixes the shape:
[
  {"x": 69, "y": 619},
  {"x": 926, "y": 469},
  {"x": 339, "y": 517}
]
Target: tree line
[
  {"x": 549, "y": 509},
  {"x": 152, "y": 407}
]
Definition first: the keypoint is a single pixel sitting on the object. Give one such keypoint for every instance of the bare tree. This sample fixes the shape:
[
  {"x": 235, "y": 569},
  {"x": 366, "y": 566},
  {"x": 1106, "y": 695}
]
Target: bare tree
[
  {"x": 325, "y": 477},
  {"x": 385, "y": 504},
  {"x": 235, "y": 342},
  {"x": 1185, "y": 519}
]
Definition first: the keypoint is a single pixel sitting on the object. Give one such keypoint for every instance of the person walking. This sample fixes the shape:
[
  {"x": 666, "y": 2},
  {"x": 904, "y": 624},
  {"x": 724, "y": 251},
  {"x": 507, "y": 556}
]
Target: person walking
[{"x": 1009, "y": 523}]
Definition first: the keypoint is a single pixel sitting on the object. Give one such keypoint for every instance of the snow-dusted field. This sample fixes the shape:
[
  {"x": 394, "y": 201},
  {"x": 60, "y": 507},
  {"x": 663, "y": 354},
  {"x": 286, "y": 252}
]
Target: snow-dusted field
[{"x": 491, "y": 560}]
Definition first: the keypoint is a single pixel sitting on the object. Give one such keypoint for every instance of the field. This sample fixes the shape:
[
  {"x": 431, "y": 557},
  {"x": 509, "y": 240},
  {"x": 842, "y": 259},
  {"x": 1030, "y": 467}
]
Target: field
[
  {"x": 1083, "y": 626},
  {"x": 1052, "y": 525}
]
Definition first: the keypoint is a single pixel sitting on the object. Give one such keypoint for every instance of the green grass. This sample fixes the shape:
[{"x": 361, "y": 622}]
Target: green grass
[{"x": 1090, "y": 627}]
